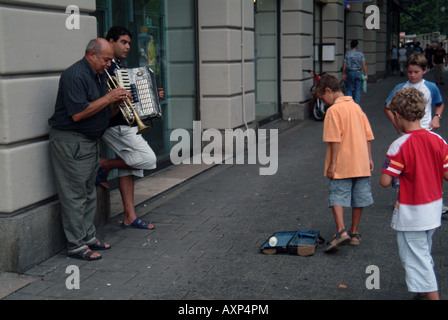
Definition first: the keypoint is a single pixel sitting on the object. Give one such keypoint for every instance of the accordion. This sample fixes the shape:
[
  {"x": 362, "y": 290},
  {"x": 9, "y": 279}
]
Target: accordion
[{"x": 140, "y": 82}]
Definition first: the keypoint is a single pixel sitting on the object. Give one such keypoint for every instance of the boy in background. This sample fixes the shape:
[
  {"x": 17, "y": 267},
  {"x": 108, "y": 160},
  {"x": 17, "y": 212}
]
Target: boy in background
[
  {"x": 416, "y": 66},
  {"x": 420, "y": 159},
  {"x": 348, "y": 162}
]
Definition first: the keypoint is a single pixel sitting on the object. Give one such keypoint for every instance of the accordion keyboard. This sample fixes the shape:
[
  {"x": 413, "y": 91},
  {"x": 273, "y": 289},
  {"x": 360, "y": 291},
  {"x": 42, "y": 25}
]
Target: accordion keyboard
[
  {"x": 140, "y": 83},
  {"x": 144, "y": 94}
]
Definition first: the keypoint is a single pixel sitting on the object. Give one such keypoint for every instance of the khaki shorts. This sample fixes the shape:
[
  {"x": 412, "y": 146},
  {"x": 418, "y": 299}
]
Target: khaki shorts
[{"x": 132, "y": 148}]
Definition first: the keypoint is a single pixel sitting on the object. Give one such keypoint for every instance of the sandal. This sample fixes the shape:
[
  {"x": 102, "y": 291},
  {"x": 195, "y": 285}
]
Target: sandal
[
  {"x": 338, "y": 241},
  {"x": 101, "y": 178},
  {"x": 139, "y": 224},
  {"x": 356, "y": 236},
  {"x": 85, "y": 255},
  {"x": 99, "y": 246}
]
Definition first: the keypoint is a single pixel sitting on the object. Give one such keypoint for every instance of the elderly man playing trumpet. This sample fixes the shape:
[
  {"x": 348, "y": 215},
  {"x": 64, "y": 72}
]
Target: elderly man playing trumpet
[{"x": 82, "y": 113}]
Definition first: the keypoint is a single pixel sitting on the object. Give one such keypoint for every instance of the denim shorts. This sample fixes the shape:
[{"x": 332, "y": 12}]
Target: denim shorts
[
  {"x": 414, "y": 248},
  {"x": 351, "y": 192}
]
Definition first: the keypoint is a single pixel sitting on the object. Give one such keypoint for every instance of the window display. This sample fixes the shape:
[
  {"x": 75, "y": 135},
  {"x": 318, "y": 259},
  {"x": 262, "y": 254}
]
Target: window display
[{"x": 158, "y": 38}]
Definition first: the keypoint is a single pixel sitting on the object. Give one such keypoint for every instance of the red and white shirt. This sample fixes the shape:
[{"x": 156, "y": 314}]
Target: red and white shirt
[{"x": 419, "y": 158}]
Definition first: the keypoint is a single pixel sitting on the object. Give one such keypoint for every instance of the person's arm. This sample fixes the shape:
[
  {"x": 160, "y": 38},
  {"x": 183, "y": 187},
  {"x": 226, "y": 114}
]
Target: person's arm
[
  {"x": 96, "y": 106},
  {"x": 364, "y": 66},
  {"x": 390, "y": 115},
  {"x": 369, "y": 146},
  {"x": 344, "y": 68},
  {"x": 161, "y": 92},
  {"x": 435, "y": 122},
  {"x": 334, "y": 148},
  {"x": 386, "y": 180}
]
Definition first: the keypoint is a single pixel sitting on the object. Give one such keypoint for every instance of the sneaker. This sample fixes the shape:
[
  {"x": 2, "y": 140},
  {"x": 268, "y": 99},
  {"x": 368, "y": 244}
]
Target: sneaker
[{"x": 444, "y": 209}]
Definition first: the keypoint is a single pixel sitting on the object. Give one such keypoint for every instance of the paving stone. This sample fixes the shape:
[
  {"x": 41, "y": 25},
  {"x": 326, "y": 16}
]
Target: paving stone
[{"x": 209, "y": 231}]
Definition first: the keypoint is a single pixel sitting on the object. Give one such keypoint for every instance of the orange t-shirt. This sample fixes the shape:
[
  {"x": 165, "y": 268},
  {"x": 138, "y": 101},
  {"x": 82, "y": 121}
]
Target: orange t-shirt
[{"x": 346, "y": 123}]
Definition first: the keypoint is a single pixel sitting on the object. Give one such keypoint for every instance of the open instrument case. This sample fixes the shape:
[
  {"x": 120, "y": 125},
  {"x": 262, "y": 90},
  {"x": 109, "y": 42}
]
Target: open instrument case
[{"x": 300, "y": 242}]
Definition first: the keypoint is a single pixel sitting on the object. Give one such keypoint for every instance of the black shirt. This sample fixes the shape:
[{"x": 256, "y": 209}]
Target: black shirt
[
  {"x": 80, "y": 85},
  {"x": 439, "y": 55},
  {"x": 117, "y": 119}
]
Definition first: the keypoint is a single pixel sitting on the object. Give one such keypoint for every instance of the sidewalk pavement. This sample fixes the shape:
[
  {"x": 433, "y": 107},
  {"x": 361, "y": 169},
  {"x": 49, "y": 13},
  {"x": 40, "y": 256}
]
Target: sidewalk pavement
[{"x": 209, "y": 230}]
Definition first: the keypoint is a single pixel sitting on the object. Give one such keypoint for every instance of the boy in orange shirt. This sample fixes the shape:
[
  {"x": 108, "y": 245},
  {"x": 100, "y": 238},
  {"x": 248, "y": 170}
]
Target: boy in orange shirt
[{"x": 348, "y": 163}]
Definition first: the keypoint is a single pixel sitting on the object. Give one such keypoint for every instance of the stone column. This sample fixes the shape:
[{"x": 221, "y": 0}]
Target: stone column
[
  {"x": 35, "y": 48},
  {"x": 297, "y": 52},
  {"x": 226, "y": 63}
]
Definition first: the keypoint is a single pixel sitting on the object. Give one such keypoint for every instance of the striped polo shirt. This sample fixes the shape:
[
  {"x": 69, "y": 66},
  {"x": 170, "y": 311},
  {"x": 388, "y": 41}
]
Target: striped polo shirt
[{"x": 419, "y": 158}]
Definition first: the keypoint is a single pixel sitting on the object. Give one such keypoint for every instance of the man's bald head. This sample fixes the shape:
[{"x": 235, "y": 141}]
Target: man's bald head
[{"x": 99, "y": 53}]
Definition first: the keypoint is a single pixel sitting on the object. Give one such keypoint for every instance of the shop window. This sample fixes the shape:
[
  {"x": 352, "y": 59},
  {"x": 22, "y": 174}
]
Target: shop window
[
  {"x": 266, "y": 59},
  {"x": 163, "y": 39}
]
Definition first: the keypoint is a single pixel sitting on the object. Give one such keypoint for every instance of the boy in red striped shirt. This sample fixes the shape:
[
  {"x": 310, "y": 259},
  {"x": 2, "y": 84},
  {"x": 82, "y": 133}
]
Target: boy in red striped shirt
[{"x": 420, "y": 159}]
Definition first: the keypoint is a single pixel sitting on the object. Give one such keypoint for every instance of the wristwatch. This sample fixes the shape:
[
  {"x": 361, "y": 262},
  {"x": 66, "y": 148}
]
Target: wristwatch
[{"x": 438, "y": 115}]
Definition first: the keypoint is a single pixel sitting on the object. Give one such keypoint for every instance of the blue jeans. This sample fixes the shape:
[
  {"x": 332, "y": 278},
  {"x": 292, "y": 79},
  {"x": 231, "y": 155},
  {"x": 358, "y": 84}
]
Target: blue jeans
[{"x": 354, "y": 85}]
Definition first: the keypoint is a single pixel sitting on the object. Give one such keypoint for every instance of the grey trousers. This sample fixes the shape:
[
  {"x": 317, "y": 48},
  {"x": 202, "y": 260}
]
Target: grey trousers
[{"x": 75, "y": 160}]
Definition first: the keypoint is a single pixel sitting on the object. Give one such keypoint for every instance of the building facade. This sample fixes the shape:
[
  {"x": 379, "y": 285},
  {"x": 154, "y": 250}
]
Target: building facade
[{"x": 226, "y": 63}]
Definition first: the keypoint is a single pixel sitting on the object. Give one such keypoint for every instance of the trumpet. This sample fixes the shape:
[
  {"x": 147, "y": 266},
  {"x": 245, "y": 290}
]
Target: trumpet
[{"x": 128, "y": 110}]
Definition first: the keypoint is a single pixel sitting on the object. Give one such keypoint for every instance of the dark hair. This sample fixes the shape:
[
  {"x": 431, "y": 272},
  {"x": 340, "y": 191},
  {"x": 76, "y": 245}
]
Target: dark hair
[
  {"x": 116, "y": 32},
  {"x": 354, "y": 44},
  {"x": 94, "y": 45},
  {"x": 326, "y": 81}
]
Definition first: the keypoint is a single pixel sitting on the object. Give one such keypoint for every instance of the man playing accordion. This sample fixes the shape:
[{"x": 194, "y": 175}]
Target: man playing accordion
[{"x": 134, "y": 155}]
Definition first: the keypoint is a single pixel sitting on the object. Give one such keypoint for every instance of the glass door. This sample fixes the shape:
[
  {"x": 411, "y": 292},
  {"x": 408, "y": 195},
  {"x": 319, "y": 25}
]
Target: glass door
[
  {"x": 163, "y": 39},
  {"x": 266, "y": 59}
]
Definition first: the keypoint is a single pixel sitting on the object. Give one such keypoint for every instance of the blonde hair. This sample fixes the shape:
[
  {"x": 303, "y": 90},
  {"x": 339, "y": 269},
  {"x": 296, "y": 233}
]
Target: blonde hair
[
  {"x": 417, "y": 59},
  {"x": 409, "y": 103}
]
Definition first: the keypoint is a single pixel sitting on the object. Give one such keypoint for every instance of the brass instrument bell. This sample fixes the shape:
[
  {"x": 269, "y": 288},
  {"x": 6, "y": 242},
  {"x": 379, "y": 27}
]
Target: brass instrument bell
[{"x": 128, "y": 110}]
